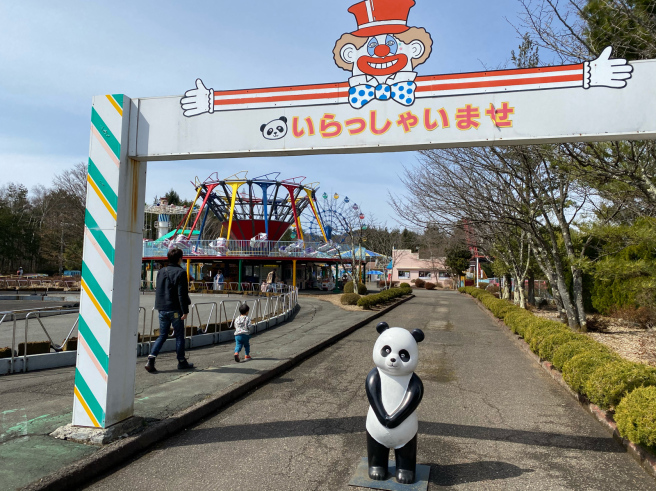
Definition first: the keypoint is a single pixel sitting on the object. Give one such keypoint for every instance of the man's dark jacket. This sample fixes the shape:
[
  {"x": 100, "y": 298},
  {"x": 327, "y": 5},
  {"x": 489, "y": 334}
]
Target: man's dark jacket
[{"x": 172, "y": 290}]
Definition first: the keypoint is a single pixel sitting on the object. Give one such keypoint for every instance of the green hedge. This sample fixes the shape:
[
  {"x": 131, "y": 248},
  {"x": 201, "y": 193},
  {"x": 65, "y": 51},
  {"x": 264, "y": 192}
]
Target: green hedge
[
  {"x": 350, "y": 299},
  {"x": 588, "y": 367},
  {"x": 383, "y": 297},
  {"x": 636, "y": 417},
  {"x": 611, "y": 382},
  {"x": 578, "y": 370}
]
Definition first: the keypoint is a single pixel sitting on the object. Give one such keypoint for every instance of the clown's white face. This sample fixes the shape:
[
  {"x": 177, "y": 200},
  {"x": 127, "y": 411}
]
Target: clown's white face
[{"x": 382, "y": 56}]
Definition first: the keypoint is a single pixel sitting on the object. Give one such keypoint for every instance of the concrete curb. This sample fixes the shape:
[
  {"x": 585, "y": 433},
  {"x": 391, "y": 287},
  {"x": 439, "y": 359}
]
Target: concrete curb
[
  {"x": 646, "y": 460},
  {"x": 116, "y": 453}
]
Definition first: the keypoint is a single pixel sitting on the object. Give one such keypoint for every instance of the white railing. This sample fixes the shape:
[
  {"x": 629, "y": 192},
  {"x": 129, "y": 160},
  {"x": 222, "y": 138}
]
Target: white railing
[
  {"x": 246, "y": 248},
  {"x": 29, "y": 315},
  {"x": 262, "y": 309}
]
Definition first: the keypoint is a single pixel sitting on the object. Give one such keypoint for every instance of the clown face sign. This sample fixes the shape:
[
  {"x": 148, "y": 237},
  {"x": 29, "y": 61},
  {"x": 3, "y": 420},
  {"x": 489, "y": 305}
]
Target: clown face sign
[{"x": 382, "y": 53}]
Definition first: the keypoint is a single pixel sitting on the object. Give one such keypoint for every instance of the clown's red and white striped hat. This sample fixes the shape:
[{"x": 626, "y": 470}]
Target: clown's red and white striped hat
[{"x": 377, "y": 17}]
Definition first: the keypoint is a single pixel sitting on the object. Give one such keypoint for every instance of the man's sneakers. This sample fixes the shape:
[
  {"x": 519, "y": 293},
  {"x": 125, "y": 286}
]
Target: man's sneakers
[
  {"x": 237, "y": 357},
  {"x": 150, "y": 366},
  {"x": 185, "y": 365},
  {"x": 248, "y": 358}
]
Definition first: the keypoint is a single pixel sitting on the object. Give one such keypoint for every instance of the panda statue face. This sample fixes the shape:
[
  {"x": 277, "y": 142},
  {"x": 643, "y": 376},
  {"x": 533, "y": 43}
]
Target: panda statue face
[
  {"x": 275, "y": 130},
  {"x": 396, "y": 352}
]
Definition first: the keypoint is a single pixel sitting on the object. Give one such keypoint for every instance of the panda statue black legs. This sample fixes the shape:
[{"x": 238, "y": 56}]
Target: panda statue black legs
[
  {"x": 378, "y": 459},
  {"x": 406, "y": 461}
]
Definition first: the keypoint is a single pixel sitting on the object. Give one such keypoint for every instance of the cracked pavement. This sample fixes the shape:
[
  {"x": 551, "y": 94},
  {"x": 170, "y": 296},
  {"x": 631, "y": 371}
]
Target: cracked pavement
[{"x": 491, "y": 419}]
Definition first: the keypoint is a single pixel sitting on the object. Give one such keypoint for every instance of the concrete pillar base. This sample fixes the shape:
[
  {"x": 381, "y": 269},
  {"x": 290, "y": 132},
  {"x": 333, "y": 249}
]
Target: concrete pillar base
[{"x": 98, "y": 436}]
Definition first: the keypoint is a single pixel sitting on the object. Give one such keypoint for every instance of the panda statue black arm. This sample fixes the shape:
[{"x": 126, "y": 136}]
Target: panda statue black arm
[{"x": 411, "y": 400}]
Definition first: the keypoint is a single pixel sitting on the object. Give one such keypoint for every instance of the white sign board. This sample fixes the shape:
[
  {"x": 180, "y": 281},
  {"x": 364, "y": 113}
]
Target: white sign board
[{"x": 546, "y": 111}]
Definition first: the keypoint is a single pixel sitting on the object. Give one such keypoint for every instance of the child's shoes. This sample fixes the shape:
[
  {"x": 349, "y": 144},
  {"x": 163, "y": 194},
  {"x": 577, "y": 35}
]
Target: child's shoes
[
  {"x": 237, "y": 357},
  {"x": 248, "y": 358}
]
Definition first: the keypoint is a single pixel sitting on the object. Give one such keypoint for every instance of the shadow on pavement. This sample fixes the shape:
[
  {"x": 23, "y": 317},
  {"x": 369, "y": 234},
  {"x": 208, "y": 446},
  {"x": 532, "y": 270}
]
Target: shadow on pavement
[
  {"x": 338, "y": 426},
  {"x": 453, "y": 475}
]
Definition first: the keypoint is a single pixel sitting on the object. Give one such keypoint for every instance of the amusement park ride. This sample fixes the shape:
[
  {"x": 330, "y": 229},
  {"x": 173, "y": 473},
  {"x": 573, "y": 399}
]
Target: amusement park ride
[{"x": 254, "y": 215}]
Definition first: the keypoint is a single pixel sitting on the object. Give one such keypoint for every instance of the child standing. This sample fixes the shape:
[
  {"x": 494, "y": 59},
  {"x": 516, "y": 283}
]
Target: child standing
[{"x": 242, "y": 326}]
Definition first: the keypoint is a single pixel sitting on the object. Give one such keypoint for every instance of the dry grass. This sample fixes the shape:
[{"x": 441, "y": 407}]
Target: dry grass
[{"x": 626, "y": 339}]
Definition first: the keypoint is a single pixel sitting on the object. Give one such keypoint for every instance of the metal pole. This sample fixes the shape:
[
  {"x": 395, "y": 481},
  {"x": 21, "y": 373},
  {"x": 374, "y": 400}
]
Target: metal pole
[
  {"x": 240, "y": 264},
  {"x": 152, "y": 273},
  {"x": 294, "y": 275},
  {"x": 477, "y": 275}
]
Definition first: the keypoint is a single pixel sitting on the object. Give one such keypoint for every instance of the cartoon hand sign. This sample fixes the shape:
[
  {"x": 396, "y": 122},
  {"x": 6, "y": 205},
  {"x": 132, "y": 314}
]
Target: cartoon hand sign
[
  {"x": 604, "y": 72},
  {"x": 198, "y": 101}
]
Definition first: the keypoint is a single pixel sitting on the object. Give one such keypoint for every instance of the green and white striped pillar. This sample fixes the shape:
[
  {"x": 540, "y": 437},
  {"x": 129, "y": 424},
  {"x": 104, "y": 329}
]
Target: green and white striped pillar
[{"x": 111, "y": 265}]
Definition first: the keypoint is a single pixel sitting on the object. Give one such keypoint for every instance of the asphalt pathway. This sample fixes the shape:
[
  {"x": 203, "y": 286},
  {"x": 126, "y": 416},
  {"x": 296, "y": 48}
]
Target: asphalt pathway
[{"x": 491, "y": 419}]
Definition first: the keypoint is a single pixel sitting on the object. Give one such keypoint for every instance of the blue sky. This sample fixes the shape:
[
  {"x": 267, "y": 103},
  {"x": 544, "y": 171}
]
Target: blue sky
[{"x": 55, "y": 56}]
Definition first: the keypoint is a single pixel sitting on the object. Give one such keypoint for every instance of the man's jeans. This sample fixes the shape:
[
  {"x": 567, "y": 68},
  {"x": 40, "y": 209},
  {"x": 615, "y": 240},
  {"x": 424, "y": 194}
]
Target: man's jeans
[{"x": 165, "y": 321}]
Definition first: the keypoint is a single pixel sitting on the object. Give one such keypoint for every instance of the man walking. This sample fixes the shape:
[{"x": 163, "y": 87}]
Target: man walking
[{"x": 172, "y": 301}]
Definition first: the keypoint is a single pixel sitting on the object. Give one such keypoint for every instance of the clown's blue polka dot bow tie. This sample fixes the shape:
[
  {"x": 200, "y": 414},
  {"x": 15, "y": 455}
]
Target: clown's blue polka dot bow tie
[{"x": 402, "y": 92}]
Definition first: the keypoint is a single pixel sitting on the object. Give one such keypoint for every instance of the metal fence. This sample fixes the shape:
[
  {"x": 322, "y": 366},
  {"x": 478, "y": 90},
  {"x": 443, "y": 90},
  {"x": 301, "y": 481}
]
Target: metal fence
[
  {"x": 246, "y": 248},
  {"x": 262, "y": 309},
  {"x": 34, "y": 314}
]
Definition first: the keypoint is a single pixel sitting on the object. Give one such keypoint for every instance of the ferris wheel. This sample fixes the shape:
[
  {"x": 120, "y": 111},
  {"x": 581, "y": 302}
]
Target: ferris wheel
[{"x": 338, "y": 216}]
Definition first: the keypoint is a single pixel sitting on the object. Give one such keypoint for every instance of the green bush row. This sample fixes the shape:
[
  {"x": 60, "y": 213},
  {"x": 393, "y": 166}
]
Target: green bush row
[
  {"x": 382, "y": 297},
  {"x": 350, "y": 299},
  {"x": 588, "y": 367}
]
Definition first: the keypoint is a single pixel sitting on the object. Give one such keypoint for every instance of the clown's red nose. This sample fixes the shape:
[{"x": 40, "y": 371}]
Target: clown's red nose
[{"x": 382, "y": 50}]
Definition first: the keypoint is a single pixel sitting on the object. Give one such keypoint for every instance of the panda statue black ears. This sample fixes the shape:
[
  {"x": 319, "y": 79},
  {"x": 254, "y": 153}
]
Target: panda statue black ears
[
  {"x": 418, "y": 334},
  {"x": 382, "y": 327}
]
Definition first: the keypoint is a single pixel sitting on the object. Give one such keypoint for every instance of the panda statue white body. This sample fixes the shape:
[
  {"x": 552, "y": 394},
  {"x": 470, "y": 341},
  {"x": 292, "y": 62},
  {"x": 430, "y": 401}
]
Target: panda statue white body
[{"x": 394, "y": 392}]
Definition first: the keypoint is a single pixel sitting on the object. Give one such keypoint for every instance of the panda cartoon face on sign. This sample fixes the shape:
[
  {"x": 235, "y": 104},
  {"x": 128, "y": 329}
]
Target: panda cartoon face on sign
[
  {"x": 275, "y": 130},
  {"x": 394, "y": 392}
]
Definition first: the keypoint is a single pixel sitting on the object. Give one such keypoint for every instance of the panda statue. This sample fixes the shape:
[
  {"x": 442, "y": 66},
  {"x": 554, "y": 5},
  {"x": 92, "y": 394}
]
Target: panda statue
[{"x": 394, "y": 392}]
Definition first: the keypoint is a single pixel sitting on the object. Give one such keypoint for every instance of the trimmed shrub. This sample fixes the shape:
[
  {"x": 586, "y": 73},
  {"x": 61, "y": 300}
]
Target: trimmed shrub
[
  {"x": 539, "y": 330},
  {"x": 404, "y": 285},
  {"x": 348, "y": 287},
  {"x": 350, "y": 299},
  {"x": 569, "y": 350},
  {"x": 362, "y": 289},
  {"x": 518, "y": 321},
  {"x": 382, "y": 297},
  {"x": 579, "y": 368},
  {"x": 610, "y": 383},
  {"x": 430, "y": 286},
  {"x": 420, "y": 283},
  {"x": 5, "y": 352},
  {"x": 554, "y": 341},
  {"x": 636, "y": 416}
]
